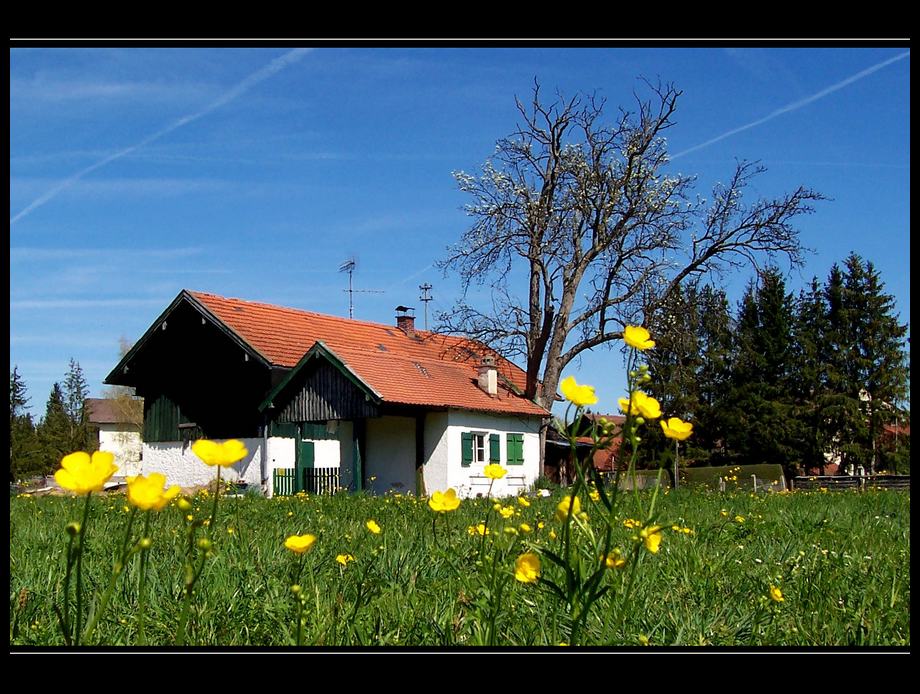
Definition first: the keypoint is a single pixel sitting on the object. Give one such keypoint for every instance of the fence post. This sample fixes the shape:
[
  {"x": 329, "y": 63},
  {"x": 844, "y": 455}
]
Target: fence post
[{"x": 754, "y": 477}]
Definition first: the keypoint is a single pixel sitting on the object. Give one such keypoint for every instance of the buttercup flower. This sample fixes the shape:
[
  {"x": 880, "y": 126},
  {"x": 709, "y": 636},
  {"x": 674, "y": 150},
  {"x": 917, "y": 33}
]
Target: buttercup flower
[
  {"x": 651, "y": 536},
  {"x": 523, "y": 502},
  {"x": 343, "y": 559},
  {"x": 527, "y": 568},
  {"x": 494, "y": 471},
  {"x": 442, "y": 502},
  {"x": 81, "y": 474},
  {"x": 562, "y": 508},
  {"x": 676, "y": 428},
  {"x": 148, "y": 492},
  {"x": 300, "y": 544},
  {"x": 642, "y": 404},
  {"x": 224, "y": 454},
  {"x": 506, "y": 512},
  {"x": 615, "y": 560},
  {"x": 576, "y": 394},
  {"x": 776, "y": 594},
  {"x": 373, "y": 527},
  {"x": 638, "y": 337},
  {"x": 479, "y": 529}
]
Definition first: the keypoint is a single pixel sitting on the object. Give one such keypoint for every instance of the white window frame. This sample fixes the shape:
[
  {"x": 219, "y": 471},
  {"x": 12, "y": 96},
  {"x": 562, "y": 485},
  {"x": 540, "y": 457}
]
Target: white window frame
[{"x": 480, "y": 447}]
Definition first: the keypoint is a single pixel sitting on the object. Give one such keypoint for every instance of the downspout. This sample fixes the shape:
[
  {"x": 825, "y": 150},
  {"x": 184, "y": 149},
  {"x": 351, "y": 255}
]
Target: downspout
[{"x": 263, "y": 462}]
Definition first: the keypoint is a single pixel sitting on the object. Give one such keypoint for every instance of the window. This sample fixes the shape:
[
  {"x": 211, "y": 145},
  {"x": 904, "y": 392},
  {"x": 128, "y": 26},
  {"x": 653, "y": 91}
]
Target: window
[{"x": 479, "y": 447}]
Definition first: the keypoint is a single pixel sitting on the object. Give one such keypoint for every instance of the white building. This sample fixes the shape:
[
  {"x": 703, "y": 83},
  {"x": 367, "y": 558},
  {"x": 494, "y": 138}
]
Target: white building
[
  {"x": 119, "y": 432},
  {"x": 324, "y": 402}
]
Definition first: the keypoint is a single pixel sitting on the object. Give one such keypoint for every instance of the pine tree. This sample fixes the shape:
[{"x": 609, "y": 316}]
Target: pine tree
[
  {"x": 760, "y": 426},
  {"x": 54, "y": 432},
  {"x": 713, "y": 378},
  {"x": 75, "y": 390},
  {"x": 25, "y": 456},
  {"x": 868, "y": 356}
]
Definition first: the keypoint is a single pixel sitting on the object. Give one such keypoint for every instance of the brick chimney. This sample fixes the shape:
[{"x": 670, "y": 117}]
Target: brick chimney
[
  {"x": 405, "y": 321},
  {"x": 488, "y": 376}
]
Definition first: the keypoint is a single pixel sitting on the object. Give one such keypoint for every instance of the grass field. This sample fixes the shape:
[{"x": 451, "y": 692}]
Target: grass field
[{"x": 840, "y": 560}]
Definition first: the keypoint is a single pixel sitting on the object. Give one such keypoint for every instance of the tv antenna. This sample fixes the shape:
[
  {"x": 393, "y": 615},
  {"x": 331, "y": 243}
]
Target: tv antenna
[
  {"x": 349, "y": 267},
  {"x": 426, "y": 297}
]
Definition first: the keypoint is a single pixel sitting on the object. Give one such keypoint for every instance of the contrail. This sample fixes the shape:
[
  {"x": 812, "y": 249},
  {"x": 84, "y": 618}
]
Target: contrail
[
  {"x": 255, "y": 78},
  {"x": 796, "y": 105}
]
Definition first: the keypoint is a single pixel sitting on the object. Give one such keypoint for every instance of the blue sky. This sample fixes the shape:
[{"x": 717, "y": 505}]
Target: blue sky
[{"x": 255, "y": 172}]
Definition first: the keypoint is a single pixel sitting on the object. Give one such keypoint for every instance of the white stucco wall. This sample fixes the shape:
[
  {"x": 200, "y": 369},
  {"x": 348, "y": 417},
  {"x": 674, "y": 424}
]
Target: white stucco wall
[
  {"x": 437, "y": 453},
  {"x": 125, "y": 444},
  {"x": 176, "y": 460},
  {"x": 390, "y": 457},
  {"x": 469, "y": 481}
]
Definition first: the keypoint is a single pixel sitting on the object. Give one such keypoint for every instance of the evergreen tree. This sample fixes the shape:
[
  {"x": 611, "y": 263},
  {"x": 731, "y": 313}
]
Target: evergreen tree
[
  {"x": 25, "y": 456},
  {"x": 713, "y": 378},
  {"x": 760, "y": 424},
  {"x": 54, "y": 432},
  {"x": 868, "y": 359},
  {"x": 81, "y": 436}
]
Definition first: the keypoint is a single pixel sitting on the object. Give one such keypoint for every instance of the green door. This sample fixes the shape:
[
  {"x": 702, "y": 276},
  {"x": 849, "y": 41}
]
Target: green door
[{"x": 304, "y": 461}]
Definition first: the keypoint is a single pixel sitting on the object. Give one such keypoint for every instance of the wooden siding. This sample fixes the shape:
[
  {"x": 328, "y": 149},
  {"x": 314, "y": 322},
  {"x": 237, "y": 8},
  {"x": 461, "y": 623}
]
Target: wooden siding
[
  {"x": 165, "y": 421},
  {"x": 321, "y": 394}
]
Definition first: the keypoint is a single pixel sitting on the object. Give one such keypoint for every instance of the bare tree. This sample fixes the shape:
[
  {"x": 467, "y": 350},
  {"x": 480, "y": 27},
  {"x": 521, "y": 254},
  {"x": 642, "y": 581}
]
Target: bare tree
[{"x": 584, "y": 218}]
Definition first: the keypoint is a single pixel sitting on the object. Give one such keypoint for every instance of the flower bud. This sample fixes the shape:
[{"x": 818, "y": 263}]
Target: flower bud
[
  {"x": 146, "y": 543},
  {"x": 73, "y": 528},
  {"x": 295, "y": 589},
  {"x": 184, "y": 504},
  {"x": 204, "y": 543},
  {"x": 640, "y": 420}
]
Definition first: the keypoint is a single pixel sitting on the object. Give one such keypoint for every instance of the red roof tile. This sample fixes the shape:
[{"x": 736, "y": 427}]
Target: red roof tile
[{"x": 427, "y": 369}]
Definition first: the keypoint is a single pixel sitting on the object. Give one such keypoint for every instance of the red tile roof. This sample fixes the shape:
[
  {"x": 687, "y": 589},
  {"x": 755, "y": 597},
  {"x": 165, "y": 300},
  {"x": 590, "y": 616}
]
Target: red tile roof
[{"x": 428, "y": 369}]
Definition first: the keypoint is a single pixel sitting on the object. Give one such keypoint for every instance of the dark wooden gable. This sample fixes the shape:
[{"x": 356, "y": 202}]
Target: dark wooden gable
[
  {"x": 197, "y": 378},
  {"x": 320, "y": 388}
]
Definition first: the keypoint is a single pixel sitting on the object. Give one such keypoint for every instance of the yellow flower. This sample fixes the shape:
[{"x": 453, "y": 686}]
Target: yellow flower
[
  {"x": 651, "y": 536},
  {"x": 82, "y": 475},
  {"x": 638, "y": 337},
  {"x": 643, "y": 639},
  {"x": 632, "y": 523},
  {"x": 183, "y": 504},
  {"x": 148, "y": 492},
  {"x": 595, "y": 495},
  {"x": 224, "y": 454},
  {"x": 523, "y": 502},
  {"x": 300, "y": 544},
  {"x": 343, "y": 559},
  {"x": 552, "y": 534},
  {"x": 373, "y": 527},
  {"x": 677, "y": 429},
  {"x": 776, "y": 594},
  {"x": 615, "y": 560},
  {"x": 641, "y": 404},
  {"x": 527, "y": 568},
  {"x": 739, "y": 519},
  {"x": 494, "y": 471},
  {"x": 524, "y": 528},
  {"x": 506, "y": 512},
  {"x": 562, "y": 508},
  {"x": 442, "y": 502},
  {"x": 576, "y": 394},
  {"x": 479, "y": 529}
]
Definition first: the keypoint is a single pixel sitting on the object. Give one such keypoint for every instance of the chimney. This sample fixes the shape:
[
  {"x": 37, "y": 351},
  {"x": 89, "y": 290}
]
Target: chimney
[
  {"x": 405, "y": 321},
  {"x": 488, "y": 376}
]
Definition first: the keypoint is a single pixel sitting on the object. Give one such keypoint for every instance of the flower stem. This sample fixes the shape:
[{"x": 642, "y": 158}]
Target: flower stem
[
  {"x": 79, "y": 614},
  {"x": 116, "y": 572},
  {"x": 141, "y": 588}
]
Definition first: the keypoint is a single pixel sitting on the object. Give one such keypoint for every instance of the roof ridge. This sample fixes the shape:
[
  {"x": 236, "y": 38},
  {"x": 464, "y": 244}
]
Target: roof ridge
[{"x": 312, "y": 313}]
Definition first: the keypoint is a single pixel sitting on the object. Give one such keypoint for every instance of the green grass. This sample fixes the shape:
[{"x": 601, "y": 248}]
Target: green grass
[{"x": 842, "y": 561}]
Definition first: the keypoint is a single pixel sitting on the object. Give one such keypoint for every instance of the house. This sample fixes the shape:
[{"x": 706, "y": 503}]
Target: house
[
  {"x": 119, "y": 430},
  {"x": 558, "y": 448},
  {"x": 327, "y": 402}
]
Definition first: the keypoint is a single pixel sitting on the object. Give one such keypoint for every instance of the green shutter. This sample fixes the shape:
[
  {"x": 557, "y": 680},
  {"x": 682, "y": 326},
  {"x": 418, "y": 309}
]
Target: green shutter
[
  {"x": 495, "y": 454},
  {"x": 467, "y": 448},
  {"x": 515, "y": 449}
]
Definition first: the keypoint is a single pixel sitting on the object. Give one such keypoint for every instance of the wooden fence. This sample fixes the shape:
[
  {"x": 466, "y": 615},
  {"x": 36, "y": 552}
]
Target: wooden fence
[
  {"x": 835, "y": 482},
  {"x": 319, "y": 480}
]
